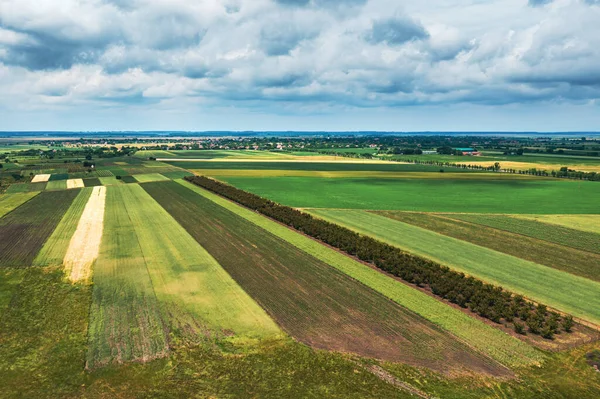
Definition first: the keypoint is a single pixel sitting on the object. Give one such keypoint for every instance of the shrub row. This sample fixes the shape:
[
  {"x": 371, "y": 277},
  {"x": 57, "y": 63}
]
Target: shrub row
[{"x": 486, "y": 300}]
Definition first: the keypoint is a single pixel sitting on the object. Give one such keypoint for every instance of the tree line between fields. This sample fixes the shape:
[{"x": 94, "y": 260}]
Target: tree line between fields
[{"x": 486, "y": 300}]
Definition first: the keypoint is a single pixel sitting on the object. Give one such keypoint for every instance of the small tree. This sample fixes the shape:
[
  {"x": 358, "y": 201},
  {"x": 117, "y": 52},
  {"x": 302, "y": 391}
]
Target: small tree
[
  {"x": 547, "y": 332},
  {"x": 519, "y": 328},
  {"x": 568, "y": 323}
]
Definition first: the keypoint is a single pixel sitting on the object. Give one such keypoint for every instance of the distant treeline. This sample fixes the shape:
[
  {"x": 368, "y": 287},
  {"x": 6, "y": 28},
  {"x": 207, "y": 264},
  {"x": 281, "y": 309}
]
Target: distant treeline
[{"x": 487, "y": 300}]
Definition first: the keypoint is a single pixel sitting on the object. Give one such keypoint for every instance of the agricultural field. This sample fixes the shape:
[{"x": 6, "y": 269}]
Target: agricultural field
[
  {"x": 427, "y": 195},
  {"x": 125, "y": 280}
]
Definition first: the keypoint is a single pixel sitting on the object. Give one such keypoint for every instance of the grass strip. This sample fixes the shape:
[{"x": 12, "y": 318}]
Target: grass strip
[
  {"x": 559, "y": 257},
  {"x": 583, "y": 240},
  {"x": 126, "y": 322}
]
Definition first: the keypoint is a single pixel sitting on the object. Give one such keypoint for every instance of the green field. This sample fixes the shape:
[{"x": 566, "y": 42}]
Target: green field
[
  {"x": 8, "y": 202},
  {"x": 583, "y": 240},
  {"x": 109, "y": 181},
  {"x": 581, "y": 263},
  {"x": 563, "y": 291},
  {"x": 312, "y": 301},
  {"x": 55, "y": 248},
  {"x": 26, "y": 187},
  {"x": 56, "y": 185},
  {"x": 446, "y": 195},
  {"x": 495, "y": 343},
  {"x": 149, "y": 177},
  {"x": 589, "y": 223},
  {"x": 126, "y": 323}
]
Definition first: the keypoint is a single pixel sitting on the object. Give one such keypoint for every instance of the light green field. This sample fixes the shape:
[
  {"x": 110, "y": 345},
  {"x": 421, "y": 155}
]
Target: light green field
[
  {"x": 126, "y": 323},
  {"x": 563, "y": 291},
  {"x": 57, "y": 185},
  {"x": 54, "y": 250},
  {"x": 148, "y": 177},
  {"x": 589, "y": 223},
  {"x": 489, "y": 340},
  {"x": 26, "y": 187},
  {"x": 110, "y": 181},
  {"x": 8, "y": 202},
  {"x": 187, "y": 278}
]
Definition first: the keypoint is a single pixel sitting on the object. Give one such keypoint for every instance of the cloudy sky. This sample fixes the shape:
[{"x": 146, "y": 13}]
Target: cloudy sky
[{"x": 300, "y": 65}]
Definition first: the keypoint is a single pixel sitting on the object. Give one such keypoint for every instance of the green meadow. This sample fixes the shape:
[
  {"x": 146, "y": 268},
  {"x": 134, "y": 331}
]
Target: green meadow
[{"x": 428, "y": 195}]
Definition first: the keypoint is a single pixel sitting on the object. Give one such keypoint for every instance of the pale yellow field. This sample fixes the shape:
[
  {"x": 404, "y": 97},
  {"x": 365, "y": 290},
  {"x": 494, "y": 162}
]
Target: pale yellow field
[
  {"x": 590, "y": 223},
  {"x": 75, "y": 183},
  {"x": 358, "y": 174},
  {"x": 538, "y": 166},
  {"x": 40, "y": 178},
  {"x": 85, "y": 243}
]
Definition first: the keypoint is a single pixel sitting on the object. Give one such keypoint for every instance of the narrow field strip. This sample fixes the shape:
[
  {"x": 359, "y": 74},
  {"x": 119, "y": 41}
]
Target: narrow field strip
[
  {"x": 85, "y": 243},
  {"x": 589, "y": 223},
  {"x": 583, "y": 240},
  {"x": 314, "y": 302},
  {"x": 500, "y": 346},
  {"x": 9, "y": 202},
  {"x": 149, "y": 177},
  {"x": 24, "y": 231},
  {"x": 54, "y": 250},
  {"x": 570, "y": 260},
  {"x": 40, "y": 178},
  {"x": 566, "y": 292},
  {"x": 197, "y": 291},
  {"x": 126, "y": 322},
  {"x": 357, "y": 174},
  {"x": 75, "y": 183}
]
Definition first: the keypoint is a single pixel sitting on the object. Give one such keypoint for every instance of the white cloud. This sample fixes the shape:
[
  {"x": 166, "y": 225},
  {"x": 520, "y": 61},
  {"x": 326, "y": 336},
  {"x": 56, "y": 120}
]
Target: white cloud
[{"x": 310, "y": 54}]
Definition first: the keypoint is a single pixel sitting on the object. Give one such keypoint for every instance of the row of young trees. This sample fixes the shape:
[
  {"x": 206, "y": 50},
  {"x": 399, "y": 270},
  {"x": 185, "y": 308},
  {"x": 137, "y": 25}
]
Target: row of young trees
[{"x": 487, "y": 300}]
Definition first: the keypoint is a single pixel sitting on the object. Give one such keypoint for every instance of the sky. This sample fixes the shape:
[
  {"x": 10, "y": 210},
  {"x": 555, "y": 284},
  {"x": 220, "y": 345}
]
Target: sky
[{"x": 313, "y": 65}]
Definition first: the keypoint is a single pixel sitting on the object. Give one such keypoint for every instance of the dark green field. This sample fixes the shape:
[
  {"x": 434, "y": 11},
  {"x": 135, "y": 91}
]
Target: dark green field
[{"x": 427, "y": 195}]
